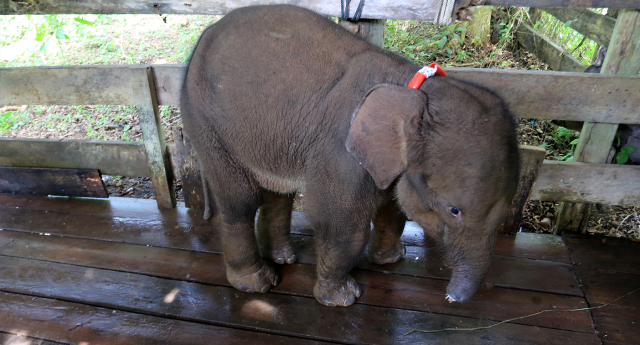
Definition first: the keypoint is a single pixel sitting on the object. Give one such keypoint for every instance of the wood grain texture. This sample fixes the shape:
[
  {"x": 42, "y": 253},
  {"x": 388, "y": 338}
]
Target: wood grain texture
[
  {"x": 531, "y": 159},
  {"x": 588, "y": 182},
  {"x": 548, "y": 51},
  {"x": 616, "y": 255},
  {"x": 380, "y": 289},
  {"x": 120, "y": 158},
  {"x": 77, "y": 323},
  {"x": 591, "y": 24},
  {"x": 271, "y": 313},
  {"x": 567, "y": 96},
  {"x": 184, "y": 159},
  {"x": 143, "y": 90},
  {"x": 61, "y": 182},
  {"x": 566, "y": 3},
  {"x": 511, "y": 272},
  {"x": 374, "y": 9}
]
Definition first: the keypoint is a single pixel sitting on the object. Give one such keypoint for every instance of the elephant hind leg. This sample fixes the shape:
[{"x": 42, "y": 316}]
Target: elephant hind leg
[
  {"x": 385, "y": 246},
  {"x": 274, "y": 226}
]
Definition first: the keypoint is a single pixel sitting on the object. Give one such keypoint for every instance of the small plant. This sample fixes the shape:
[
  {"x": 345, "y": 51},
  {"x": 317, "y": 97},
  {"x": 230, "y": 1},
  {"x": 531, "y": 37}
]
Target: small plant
[
  {"x": 623, "y": 156},
  {"x": 566, "y": 140}
]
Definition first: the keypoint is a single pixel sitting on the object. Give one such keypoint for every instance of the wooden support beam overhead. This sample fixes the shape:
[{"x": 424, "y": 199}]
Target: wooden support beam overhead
[
  {"x": 567, "y": 96},
  {"x": 144, "y": 92},
  {"x": 374, "y": 9},
  {"x": 120, "y": 158}
]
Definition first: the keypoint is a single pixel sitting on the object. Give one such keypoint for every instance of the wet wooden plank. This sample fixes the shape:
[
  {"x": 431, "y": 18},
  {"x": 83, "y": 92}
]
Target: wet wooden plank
[
  {"x": 21, "y": 339},
  {"x": 525, "y": 245},
  {"x": 618, "y": 322},
  {"x": 601, "y": 287},
  {"x": 120, "y": 158},
  {"x": 380, "y": 289},
  {"x": 64, "y": 182},
  {"x": 271, "y": 313},
  {"x": 604, "y": 253},
  {"x": 68, "y": 322},
  {"x": 505, "y": 272},
  {"x": 588, "y": 182},
  {"x": 569, "y": 96},
  {"x": 618, "y": 325}
]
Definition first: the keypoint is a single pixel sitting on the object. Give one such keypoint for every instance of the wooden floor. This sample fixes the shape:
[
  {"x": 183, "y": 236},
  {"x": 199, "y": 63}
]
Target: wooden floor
[{"x": 119, "y": 271}]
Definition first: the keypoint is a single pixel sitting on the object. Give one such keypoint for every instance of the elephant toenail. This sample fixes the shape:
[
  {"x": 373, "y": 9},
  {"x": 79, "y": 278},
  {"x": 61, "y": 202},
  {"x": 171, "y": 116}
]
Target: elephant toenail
[
  {"x": 265, "y": 288},
  {"x": 280, "y": 261},
  {"x": 358, "y": 292},
  {"x": 331, "y": 304},
  {"x": 350, "y": 300}
]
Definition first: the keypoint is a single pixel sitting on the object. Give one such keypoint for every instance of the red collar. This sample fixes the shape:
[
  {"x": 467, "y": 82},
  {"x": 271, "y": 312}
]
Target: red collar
[{"x": 424, "y": 73}]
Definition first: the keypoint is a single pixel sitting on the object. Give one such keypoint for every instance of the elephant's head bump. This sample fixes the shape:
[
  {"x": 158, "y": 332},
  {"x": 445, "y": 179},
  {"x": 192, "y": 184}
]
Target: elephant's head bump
[{"x": 453, "y": 149}]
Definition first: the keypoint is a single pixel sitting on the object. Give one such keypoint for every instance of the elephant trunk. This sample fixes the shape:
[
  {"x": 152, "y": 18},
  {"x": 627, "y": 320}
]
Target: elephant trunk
[{"x": 468, "y": 274}]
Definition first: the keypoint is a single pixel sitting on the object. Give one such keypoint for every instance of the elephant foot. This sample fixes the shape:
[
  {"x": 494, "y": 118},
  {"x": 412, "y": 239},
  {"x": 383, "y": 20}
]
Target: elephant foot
[
  {"x": 279, "y": 253},
  {"x": 382, "y": 256},
  {"x": 332, "y": 294},
  {"x": 260, "y": 280}
]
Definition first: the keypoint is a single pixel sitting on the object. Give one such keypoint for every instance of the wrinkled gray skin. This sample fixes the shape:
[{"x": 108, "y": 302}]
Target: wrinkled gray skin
[{"x": 279, "y": 100}]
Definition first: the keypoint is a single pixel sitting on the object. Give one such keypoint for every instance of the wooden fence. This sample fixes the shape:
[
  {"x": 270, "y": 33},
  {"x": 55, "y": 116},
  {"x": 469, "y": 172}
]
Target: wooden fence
[{"x": 529, "y": 94}]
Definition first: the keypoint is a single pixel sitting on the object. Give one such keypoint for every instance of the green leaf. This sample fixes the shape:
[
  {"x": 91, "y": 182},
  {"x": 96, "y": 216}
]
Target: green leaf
[
  {"x": 40, "y": 36},
  {"x": 86, "y": 22},
  {"x": 574, "y": 142},
  {"x": 506, "y": 63},
  {"x": 456, "y": 36},
  {"x": 460, "y": 29},
  {"x": 60, "y": 34},
  {"x": 568, "y": 23},
  {"x": 622, "y": 158},
  {"x": 442, "y": 42},
  {"x": 628, "y": 149}
]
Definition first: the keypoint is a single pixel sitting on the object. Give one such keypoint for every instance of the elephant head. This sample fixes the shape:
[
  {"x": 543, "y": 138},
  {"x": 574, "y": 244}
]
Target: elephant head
[{"x": 452, "y": 148}]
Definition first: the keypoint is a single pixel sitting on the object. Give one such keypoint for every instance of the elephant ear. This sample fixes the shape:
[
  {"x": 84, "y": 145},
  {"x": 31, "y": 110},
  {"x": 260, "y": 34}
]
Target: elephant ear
[{"x": 377, "y": 137}]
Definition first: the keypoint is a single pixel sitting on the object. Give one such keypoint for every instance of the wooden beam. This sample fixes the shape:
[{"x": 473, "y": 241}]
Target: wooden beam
[
  {"x": 548, "y": 51},
  {"x": 591, "y": 24},
  {"x": 63, "y": 182},
  {"x": 144, "y": 93},
  {"x": 120, "y": 158},
  {"x": 531, "y": 159},
  {"x": 567, "y": 96},
  {"x": 623, "y": 57},
  {"x": 184, "y": 160},
  {"x": 588, "y": 182},
  {"x": 566, "y": 3},
  {"x": 373, "y": 9}
]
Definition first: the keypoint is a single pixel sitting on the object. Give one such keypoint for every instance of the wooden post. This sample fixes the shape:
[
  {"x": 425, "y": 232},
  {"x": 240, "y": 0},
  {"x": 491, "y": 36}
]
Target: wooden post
[
  {"x": 143, "y": 88},
  {"x": 531, "y": 159},
  {"x": 371, "y": 30},
  {"x": 623, "y": 57}
]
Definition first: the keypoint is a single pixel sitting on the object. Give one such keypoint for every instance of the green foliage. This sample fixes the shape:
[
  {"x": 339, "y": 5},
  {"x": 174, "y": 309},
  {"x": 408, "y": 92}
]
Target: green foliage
[
  {"x": 10, "y": 120},
  {"x": 623, "y": 156},
  {"x": 571, "y": 40},
  {"x": 565, "y": 140}
]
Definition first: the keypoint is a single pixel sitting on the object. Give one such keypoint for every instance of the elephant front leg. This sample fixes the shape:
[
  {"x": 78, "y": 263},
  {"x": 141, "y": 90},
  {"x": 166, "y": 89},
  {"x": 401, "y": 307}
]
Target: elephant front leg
[
  {"x": 274, "y": 226},
  {"x": 385, "y": 246},
  {"x": 339, "y": 248}
]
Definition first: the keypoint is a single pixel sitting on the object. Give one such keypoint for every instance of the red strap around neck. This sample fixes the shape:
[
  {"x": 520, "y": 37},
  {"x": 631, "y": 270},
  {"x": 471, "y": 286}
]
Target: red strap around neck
[{"x": 424, "y": 73}]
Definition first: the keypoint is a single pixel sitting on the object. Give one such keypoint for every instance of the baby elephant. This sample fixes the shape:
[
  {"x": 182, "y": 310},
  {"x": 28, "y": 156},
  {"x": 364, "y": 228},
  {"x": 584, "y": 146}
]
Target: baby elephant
[{"x": 279, "y": 100}]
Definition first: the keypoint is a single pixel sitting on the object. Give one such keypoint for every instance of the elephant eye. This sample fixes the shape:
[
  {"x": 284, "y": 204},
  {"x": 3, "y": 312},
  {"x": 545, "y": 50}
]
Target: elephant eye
[{"x": 456, "y": 213}]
